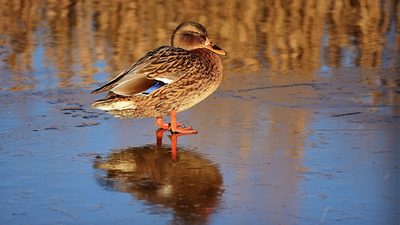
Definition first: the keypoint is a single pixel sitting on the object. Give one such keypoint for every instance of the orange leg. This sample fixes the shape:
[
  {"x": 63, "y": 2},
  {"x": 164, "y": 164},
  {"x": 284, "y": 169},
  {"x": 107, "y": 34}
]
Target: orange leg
[
  {"x": 161, "y": 124},
  {"x": 165, "y": 126},
  {"x": 174, "y": 127},
  {"x": 178, "y": 128}
]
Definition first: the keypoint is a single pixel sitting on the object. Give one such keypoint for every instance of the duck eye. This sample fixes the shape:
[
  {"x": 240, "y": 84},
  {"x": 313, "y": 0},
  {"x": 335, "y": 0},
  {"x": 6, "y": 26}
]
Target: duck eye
[{"x": 187, "y": 37}]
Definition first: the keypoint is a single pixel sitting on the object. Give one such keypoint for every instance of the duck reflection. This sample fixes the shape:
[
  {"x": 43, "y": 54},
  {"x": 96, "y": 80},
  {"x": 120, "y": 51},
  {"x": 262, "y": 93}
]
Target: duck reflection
[{"x": 186, "y": 182}]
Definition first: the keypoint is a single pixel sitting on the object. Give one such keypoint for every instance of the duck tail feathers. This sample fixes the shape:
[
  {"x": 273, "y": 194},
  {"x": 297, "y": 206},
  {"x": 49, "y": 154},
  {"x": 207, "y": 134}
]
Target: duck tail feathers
[{"x": 113, "y": 104}]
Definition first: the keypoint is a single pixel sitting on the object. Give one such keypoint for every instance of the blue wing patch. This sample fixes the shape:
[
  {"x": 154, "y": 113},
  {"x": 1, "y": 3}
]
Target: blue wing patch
[{"x": 155, "y": 86}]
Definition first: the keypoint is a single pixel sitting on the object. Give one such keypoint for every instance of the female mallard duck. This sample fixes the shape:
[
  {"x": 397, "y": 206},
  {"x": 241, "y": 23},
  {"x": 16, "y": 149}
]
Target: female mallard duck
[{"x": 167, "y": 80}]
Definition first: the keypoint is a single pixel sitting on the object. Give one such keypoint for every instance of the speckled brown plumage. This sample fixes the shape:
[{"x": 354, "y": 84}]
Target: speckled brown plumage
[{"x": 190, "y": 69}]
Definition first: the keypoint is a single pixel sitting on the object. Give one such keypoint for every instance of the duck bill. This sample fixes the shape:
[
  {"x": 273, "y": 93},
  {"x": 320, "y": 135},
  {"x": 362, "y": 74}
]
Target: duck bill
[{"x": 215, "y": 49}]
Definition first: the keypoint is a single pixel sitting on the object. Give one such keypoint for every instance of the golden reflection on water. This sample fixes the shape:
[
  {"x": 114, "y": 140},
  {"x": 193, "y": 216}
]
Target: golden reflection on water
[
  {"x": 190, "y": 185},
  {"x": 74, "y": 43}
]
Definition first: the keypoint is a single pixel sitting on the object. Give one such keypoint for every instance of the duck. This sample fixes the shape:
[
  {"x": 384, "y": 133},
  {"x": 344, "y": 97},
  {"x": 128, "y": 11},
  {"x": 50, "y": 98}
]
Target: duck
[{"x": 167, "y": 80}]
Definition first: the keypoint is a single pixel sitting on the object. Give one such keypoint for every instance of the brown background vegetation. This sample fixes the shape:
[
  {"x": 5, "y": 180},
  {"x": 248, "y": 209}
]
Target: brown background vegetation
[{"x": 278, "y": 36}]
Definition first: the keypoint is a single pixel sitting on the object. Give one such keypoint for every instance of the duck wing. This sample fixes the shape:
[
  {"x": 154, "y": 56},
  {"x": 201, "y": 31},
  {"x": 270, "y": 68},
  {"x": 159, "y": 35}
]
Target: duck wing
[{"x": 165, "y": 64}]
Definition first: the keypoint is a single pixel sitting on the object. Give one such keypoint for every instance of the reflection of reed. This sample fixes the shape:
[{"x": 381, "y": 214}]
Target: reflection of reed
[
  {"x": 373, "y": 26},
  {"x": 191, "y": 185},
  {"x": 293, "y": 37},
  {"x": 77, "y": 35}
]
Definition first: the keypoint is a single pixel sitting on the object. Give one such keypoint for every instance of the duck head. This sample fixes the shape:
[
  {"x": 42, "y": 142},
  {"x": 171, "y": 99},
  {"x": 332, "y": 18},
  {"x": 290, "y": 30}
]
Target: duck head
[{"x": 191, "y": 35}]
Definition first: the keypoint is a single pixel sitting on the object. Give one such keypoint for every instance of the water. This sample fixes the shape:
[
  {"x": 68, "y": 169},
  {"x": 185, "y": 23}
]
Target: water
[{"x": 303, "y": 130}]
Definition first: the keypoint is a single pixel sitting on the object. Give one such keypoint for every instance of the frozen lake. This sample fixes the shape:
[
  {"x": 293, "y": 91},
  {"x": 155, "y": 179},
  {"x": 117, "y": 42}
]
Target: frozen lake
[{"x": 303, "y": 130}]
